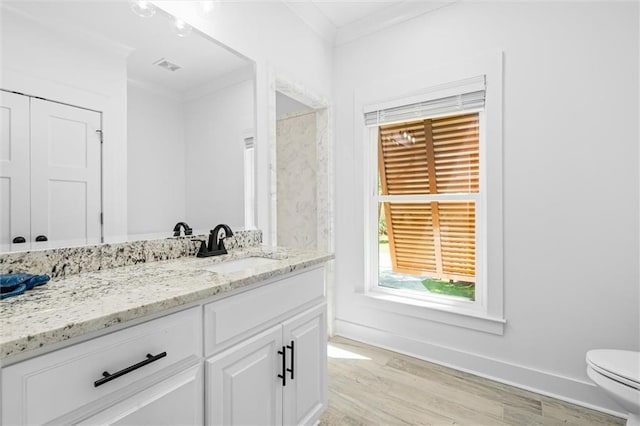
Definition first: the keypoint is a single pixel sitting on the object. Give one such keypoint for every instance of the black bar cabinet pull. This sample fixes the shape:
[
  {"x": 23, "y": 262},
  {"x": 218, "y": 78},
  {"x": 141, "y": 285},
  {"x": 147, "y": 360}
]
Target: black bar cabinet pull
[
  {"x": 108, "y": 377},
  {"x": 283, "y": 376},
  {"x": 293, "y": 355},
  {"x": 41, "y": 238},
  {"x": 19, "y": 240}
]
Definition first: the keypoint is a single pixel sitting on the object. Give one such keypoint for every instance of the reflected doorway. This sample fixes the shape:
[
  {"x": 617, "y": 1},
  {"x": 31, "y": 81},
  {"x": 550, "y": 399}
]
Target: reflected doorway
[{"x": 50, "y": 174}]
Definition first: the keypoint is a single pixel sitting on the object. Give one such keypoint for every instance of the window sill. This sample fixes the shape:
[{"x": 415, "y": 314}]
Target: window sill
[{"x": 445, "y": 314}]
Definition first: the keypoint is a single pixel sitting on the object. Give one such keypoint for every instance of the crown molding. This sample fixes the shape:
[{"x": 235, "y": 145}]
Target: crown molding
[
  {"x": 387, "y": 17},
  {"x": 313, "y": 18},
  {"x": 395, "y": 14}
]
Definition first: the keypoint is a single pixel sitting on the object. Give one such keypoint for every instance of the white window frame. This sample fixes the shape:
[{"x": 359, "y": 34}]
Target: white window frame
[
  {"x": 486, "y": 312},
  {"x": 375, "y": 199},
  {"x": 249, "y": 151}
]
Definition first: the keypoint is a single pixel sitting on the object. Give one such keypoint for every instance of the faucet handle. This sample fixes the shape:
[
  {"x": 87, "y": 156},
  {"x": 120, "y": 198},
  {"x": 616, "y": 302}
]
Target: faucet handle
[
  {"x": 187, "y": 230},
  {"x": 203, "y": 246}
]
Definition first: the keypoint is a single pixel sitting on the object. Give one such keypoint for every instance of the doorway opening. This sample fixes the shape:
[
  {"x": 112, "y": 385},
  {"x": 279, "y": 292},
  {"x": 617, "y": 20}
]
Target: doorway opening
[
  {"x": 301, "y": 157},
  {"x": 301, "y": 184}
]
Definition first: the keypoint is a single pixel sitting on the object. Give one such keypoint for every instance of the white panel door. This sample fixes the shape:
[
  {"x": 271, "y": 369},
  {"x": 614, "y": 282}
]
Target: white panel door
[
  {"x": 305, "y": 396},
  {"x": 242, "y": 384},
  {"x": 174, "y": 401},
  {"x": 14, "y": 171},
  {"x": 65, "y": 174}
]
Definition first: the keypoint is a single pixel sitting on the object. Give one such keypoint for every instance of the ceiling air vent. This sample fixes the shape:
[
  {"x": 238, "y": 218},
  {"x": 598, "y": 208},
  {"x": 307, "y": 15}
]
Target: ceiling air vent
[{"x": 169, "y": 66}]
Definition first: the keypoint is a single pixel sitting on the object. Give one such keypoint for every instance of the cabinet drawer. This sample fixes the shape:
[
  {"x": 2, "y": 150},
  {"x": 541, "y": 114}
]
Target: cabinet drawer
[
  {"x": 43, "y": 388},
  {"x": 229, "y": 320},
  {"x": 174, "y": 401}
]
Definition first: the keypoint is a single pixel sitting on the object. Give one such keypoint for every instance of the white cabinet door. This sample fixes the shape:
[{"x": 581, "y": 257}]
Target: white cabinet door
[
  {"x": 14, "y": 171},
  {"x": 65, "y": 174},
  {"x": 174, "y": 401},
  {"x": 243, "y": 387},
  {"x": 305, "y": 396}
]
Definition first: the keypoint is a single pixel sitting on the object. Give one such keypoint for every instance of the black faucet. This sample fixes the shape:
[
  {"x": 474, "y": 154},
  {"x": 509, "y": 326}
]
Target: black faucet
[
  {"x": 215, "y": 246},
  {"x": 176, "y": 229},
  {"x": 216, "y": 242}
]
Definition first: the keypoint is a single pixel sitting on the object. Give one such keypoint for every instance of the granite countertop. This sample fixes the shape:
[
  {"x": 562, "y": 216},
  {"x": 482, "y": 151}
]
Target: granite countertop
[{"x": 87, "y": 302}]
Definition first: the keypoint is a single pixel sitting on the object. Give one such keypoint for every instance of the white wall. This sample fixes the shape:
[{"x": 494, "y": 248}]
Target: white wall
[
  {"x": 215, "y": 127},
  {"x": 286, "y": 106},
  {"x": 570, "y": 147},
  {"x": 156, "y": 188},
  {"x": 39, "y": 61},
  {"x": 281, "y": 46}
]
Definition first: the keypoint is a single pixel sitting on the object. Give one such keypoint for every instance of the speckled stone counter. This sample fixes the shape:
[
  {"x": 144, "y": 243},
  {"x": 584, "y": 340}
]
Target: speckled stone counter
[
  {"x": 78, "y": 304},
  {"x": 61, "y": 262}
]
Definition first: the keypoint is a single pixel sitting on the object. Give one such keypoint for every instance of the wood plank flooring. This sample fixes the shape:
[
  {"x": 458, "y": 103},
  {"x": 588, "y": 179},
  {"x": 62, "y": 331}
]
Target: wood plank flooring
[{"x": 373, "y": 386}]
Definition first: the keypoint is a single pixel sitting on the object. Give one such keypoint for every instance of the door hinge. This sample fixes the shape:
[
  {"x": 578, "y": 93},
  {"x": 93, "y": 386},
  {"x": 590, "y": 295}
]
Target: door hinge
[
  {"x": 101, "y": 135},
  {"x": 101, "y": 218}
]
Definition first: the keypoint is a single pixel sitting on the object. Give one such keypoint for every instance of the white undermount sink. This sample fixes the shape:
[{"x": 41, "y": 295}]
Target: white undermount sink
[{"x": 239, "y": 264}]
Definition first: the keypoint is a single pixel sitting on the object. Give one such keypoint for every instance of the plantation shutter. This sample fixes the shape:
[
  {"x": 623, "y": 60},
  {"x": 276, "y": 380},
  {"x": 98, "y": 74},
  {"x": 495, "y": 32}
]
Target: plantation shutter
[{"x": 432, "y": 156}]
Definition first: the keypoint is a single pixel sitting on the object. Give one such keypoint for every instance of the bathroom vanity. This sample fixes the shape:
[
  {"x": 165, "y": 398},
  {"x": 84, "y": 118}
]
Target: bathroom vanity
[{"x": 181, "y": 341}]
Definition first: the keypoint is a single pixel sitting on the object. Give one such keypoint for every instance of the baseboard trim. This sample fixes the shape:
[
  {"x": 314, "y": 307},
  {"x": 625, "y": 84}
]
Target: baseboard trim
[{"x": 566, "y": 389}]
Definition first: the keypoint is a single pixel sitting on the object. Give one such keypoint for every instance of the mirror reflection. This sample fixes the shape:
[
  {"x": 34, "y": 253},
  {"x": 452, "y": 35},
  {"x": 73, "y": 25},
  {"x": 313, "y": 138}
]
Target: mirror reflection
[{"x": 117, "y": 126}]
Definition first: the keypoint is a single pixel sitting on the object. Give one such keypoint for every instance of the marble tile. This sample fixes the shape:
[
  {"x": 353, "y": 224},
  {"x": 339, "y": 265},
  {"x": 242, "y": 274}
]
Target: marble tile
[
  {"x": 324, "y": 157},
  {"x": 297, "y": 166}
]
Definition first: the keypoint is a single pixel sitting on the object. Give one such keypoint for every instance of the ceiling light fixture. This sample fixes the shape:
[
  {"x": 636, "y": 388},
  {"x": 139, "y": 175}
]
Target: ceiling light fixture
[
  {"x": 181, "y": 28},
  {"x": 405, "y": 138},
  {"x": 143, "y": 8}
]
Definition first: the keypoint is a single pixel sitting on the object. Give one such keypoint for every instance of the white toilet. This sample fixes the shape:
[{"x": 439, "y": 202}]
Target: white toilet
[{"x": 617, "y": 372}]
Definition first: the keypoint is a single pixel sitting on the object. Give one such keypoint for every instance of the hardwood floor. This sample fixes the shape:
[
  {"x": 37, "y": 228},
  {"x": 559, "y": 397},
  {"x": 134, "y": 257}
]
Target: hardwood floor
[{"x": 373, "y": 386}]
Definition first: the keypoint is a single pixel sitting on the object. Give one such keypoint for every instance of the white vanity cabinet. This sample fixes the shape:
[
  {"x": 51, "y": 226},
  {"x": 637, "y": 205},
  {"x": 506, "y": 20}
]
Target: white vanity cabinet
[
  {"x": 255, "y": 357},
  {"x": 277, "y": 375},
  {"x": 64, "y": 387}
]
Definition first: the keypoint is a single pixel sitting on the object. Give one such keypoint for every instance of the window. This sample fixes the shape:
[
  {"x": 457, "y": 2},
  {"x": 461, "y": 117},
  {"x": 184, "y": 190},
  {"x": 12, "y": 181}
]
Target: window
[
  {"x": 428, "y": 174},
  {"x": 434, "y": 203},
  {"x": 249, "y": 183}
]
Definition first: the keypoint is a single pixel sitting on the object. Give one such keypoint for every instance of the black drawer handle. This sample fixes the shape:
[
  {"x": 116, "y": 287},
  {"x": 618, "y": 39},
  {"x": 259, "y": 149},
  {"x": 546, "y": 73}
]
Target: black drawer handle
[
  {"x": 283, "y": 376},
  {"x": 293, "y": 356},
  {"x": 108, "y": 377}
]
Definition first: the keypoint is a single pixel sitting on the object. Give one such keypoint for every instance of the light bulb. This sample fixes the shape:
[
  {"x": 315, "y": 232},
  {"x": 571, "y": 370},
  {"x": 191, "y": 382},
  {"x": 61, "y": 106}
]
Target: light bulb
[
  {"x": 181, "y": 28},
  {"x": 143, "y": 8}
]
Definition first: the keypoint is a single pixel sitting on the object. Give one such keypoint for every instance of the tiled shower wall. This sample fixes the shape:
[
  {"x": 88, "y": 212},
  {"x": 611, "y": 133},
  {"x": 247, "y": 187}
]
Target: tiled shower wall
[{"x": 297, "y": 181}]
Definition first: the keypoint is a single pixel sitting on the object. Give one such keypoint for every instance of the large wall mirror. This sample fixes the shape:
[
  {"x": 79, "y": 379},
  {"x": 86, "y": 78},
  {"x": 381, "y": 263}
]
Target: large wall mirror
[{"x": 117, "y": 125}]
